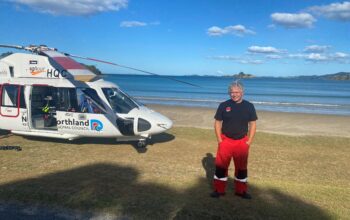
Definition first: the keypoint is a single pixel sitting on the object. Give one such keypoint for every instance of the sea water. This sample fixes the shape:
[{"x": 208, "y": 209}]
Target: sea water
[{"x": 266, "y": 93}]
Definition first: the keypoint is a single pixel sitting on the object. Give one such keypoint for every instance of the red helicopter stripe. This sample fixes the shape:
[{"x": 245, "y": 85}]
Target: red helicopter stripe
[{"x": 68, "y": 63}]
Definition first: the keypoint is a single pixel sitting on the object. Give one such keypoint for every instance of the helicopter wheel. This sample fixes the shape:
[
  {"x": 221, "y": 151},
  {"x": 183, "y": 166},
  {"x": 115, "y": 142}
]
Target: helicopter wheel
[{"x": 142, "y": 143}]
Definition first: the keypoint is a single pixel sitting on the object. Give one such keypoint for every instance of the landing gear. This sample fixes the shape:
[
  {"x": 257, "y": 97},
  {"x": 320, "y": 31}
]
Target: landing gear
[{"x": 142, "y": 143}]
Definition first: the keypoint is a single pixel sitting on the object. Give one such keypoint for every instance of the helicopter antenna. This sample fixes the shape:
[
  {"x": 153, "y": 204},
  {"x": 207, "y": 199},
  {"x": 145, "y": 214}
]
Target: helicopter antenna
[{"x": 131, "y": 68}]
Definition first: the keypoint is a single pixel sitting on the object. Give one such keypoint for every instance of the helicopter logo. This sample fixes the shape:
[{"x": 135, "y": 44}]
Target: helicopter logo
[
  {"x": 36, "y": 70},
  {"x": 96, "y": 125}
]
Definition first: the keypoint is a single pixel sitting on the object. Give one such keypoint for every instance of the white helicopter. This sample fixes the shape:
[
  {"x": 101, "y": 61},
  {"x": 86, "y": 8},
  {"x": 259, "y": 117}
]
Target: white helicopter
[{"x": 46, "y": 93}]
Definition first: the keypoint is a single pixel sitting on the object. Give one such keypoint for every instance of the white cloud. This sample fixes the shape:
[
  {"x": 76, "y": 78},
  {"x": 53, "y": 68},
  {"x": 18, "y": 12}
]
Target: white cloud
[
  {"x": 255, "y": 62},
  {"x": 339, "y": 57},
  {"x": 236, "y": 59},
  {"x": 223, "y": 57},
  {"x": 316, "y": 48},
  {"x": 335, "y": 11},
  {"x": 216, "y": 31},
  {"x": 264, "y": 50},
  {"x": 238, "y": 30},
  {"x": 132, "y": 24},
  {"x": 274, "y": 56},
  {"x": 297, "y": 55},
  {"x": 301, "y": 20},
  {"x": 73, "y": 7},
  {"x": 129, "y": 24},
  {"x": 316, "y": 57},
  {"x": 219, "y": 72}
]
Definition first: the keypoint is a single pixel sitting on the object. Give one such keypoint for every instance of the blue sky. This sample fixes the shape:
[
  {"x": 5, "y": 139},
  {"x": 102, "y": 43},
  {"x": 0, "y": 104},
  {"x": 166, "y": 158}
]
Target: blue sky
[{"x": 183, "y": 37}]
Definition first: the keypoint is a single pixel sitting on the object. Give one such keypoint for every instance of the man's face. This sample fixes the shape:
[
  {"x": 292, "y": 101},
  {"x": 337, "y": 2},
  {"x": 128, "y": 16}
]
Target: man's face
[{"x": 236, "y": 94}]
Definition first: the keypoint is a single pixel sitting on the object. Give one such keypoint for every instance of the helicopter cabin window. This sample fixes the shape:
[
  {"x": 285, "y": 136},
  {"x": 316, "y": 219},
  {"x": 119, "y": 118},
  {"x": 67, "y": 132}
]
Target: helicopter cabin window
[
  {"x": 9, "y": 97},
  {"x": 89, "y": 101},
  {"x": 67, "y": 99},
  {"x": 119, "y": 101}
]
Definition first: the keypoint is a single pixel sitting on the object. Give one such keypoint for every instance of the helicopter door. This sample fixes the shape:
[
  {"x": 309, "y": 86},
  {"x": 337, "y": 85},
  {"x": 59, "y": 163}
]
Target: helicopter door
[
  {"x": 43, "y": 107},
  {"x": 84, "y": 114},
  {"x": 13, "y": 111}
]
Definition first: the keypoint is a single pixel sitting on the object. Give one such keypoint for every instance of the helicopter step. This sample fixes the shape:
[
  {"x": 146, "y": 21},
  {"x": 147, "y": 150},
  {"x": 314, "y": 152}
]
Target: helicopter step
[
  {"x": 47, "y": 134},
  {"x": 140, "y": 141}
]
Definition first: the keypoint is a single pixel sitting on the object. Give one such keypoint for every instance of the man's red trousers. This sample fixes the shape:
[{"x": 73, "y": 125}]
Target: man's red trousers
[{"x": 238, "y": 150}]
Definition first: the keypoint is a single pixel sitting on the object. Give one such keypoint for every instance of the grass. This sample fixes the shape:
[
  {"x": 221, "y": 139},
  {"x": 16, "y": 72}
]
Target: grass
[{"x": 289, "y": 177}]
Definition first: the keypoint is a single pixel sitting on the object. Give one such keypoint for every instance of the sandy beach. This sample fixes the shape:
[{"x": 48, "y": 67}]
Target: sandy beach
[{"x": 295, "y": 124}]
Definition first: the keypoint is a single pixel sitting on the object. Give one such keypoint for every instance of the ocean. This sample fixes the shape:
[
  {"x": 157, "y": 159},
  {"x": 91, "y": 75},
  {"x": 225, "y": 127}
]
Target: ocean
[{"x": 266, "y": 93}]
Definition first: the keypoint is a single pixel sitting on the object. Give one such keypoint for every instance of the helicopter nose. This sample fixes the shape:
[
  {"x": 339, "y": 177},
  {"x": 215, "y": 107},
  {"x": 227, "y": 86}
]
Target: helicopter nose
[
  {"x": 164, "y": 123},
  {"x": 152, "y": 122}
]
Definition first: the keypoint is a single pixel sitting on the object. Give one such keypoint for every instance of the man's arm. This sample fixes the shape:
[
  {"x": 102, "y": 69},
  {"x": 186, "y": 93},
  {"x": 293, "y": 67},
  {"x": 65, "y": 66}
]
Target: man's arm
[
  {"x": 251, "y": 132},
  {"x": 218, "y": 126}
]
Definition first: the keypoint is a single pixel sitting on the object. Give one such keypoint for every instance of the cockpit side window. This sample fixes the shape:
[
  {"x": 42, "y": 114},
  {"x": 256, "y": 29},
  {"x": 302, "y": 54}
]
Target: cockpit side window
[
  {"x": 89, "y": 101},
  {"x": 119, "y": 101}
]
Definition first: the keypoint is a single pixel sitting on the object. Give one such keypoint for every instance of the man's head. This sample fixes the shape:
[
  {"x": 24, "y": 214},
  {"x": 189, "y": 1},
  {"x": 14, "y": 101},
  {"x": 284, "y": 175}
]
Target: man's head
[{"x": 235, "y": 90}]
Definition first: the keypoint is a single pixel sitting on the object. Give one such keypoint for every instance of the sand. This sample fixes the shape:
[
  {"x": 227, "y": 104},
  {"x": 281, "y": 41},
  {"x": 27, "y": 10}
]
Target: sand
[{"x": 295, "y": 124}]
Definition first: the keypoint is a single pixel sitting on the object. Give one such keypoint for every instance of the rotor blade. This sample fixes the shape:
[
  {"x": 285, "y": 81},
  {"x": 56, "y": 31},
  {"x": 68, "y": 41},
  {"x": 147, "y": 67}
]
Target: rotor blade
[
  {"x": 12, "y": 46},
  {"x": 131, "y": 68}
]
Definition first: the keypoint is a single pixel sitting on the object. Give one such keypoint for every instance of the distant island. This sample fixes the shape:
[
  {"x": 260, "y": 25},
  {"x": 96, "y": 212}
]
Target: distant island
[
  {"x": 240, "y": 75},
  {"x": 341, "y": 76},
  {"x": 335, "y": 76}
]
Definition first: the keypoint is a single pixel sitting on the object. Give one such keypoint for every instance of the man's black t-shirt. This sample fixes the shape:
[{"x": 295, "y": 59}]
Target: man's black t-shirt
[{"x": 235, "y": 117}]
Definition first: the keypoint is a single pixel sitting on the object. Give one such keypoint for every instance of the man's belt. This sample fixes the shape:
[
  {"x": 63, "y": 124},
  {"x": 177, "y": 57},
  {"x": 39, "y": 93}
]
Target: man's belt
[{"x": 236, "y": 137}]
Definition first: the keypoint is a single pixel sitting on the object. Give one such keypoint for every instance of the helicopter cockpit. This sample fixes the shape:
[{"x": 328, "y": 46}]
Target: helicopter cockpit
[{"x": 119, "y": 101}]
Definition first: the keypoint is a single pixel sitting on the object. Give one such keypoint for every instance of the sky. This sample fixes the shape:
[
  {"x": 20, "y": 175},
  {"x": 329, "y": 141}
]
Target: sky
[{"x": 187, "y": 37}]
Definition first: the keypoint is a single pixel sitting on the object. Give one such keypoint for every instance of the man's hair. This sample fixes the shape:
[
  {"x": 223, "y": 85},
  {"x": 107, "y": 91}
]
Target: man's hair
[{"x": 237, "y": 84}]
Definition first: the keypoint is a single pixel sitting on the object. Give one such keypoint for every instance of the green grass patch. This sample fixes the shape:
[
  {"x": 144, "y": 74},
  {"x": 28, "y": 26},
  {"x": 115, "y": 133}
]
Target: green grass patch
[{"x": 289, "y": 177}]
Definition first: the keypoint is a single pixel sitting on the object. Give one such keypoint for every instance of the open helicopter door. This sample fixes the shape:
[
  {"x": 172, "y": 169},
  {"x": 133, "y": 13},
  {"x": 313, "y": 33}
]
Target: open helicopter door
[
  {"x": 13, "y": 108},
  {"x": 43, "y": 107},
  {"x": 81, "y": 112}
]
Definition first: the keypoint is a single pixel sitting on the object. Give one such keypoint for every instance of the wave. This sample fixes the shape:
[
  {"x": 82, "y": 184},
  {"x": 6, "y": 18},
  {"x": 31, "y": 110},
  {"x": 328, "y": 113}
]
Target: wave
[
  {"x": 282, "y": 94},
  {"x": 296, "y": 104},
  {"x": 254, "y": 102}
]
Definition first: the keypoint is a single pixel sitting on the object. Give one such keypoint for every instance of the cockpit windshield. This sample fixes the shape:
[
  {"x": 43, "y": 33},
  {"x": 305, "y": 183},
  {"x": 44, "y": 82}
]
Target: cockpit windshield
[{"x": 119, "y": 101}]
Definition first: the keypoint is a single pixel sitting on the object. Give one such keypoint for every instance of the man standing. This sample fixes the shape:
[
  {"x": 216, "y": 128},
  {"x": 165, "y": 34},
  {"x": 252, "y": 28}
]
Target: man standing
[{"x": 235, "y": 126}]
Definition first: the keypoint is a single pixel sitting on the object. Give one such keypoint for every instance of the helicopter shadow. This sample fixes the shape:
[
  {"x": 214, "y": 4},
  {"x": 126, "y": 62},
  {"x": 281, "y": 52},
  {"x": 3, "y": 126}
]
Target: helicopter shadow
[
  {"x": 104, "y": 186},
  {"x": 5, "y": 134},
  {"x": 156, "y": 139}
]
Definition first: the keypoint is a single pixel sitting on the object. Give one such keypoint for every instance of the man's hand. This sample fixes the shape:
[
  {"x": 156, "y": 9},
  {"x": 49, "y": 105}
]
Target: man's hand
[{"x": 217, "y": 127}]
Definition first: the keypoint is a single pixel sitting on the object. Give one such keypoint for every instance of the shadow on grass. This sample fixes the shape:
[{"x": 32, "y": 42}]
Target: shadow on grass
[
  {"x": 158, "y": 138},
  {"x": 116, "y": 189},
  {"x": 266, "y": 203},
  {"x": 4, "y": 134}
]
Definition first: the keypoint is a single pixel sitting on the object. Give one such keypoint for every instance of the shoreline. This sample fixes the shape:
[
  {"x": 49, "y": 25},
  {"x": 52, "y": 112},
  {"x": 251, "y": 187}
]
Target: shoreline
[{"x": 286, "y": 123}]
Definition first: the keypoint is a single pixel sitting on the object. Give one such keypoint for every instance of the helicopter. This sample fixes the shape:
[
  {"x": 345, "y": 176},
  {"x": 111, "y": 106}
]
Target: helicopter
[{"x": 46, "y": 93}]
